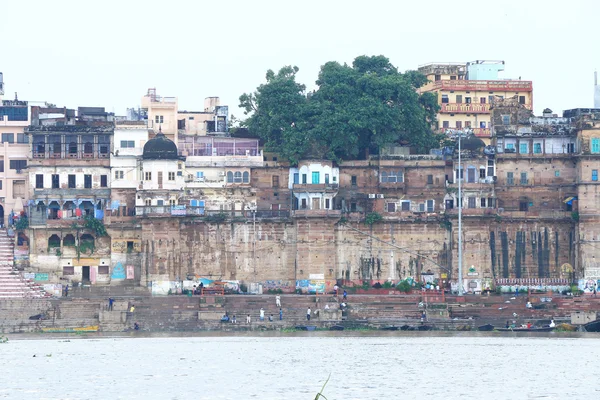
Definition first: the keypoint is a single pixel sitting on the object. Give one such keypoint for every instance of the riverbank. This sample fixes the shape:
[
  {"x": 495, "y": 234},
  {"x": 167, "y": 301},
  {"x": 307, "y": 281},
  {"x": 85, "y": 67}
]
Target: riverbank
[
  {"x": 174, "y": 314},
  {"x": 303, "y": 334}
]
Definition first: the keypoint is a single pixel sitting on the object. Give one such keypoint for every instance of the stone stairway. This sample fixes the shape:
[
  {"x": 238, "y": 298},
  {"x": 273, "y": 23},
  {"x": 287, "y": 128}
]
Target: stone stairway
[{"x": 12, "y": 283}]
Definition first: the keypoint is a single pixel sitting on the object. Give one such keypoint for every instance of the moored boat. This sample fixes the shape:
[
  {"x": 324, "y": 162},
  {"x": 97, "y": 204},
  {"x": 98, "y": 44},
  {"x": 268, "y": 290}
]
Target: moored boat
[
  {"x": 593, "y": 326},
  {"x": 485, "y": 328},
  {"x": 532, "y": 329}
]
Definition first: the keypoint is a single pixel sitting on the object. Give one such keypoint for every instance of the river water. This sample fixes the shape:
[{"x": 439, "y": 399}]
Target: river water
[{"x": 361, "y": 368}]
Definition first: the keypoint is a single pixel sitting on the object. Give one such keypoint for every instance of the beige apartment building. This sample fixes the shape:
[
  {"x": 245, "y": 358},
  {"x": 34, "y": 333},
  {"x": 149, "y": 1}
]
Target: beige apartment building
[
  {"x": 15, "y": 116},
  {"x": 466, "y": 93}
]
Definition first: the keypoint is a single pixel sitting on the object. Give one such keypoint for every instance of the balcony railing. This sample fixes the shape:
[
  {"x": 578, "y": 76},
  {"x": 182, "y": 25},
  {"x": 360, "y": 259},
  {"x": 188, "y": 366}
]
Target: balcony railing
[
  {"x": 478, "y": 132},
  {"x": 487, "y": 86},
  {"x": 316, "y": 187},
  {"x": 183, "y": 211},
  {"x": 467, "y": 108},
  {"x": 317, "y": 213}
]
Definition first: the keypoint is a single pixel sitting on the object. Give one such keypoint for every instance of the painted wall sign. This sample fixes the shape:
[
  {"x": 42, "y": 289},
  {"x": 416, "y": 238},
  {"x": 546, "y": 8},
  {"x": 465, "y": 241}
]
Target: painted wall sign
[{"x": 118, "y": 272}]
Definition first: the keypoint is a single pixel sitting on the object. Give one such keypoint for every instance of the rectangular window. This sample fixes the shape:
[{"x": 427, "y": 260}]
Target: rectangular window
[
  {"x": 353, "y": 180},
  {"x": 160, "y": 202},
  {"x": 595, "y": 145},
  {"x": 452, "y": 77},
  {"x": 405, "y": 206},
  {"x": 103, "y": 269},
  {"x": 446, "y": 124},
  {"x": 459, "y": 98},
  {"x": 304, "y": 179},
  {"x": 468, "y": 100},
  {"x": 315, "y": 178},
  {"x": 148, "y": 202},
  {"x": 71, "y": 181},
  {"x": 510, "y": 146},
  {"x": 459, "y": 174},
  {"x": 104, "y": 181},
  {"x": 438, "y": 78},
  {"x": 445, "y": 99},
  {"x": 430, "y": 179},
  {"x": 523, "y": 178},
  {"x": 0, "y": 185},
  {"x": 521, "y": 99},
  {"x": 482, "y": 100},
  {"x": 171, "y": 176},
  {"x": 303, "y": 204},
  {"x": 159, "y": 119},
  {"x": 327, "y": 179},
  {"x": 118, "y": 174},
  {"x": 327, "y": 203},
  {"x": 68, "y": 270},
  {"x": 510, "y": 180},
  {"x": 422, "y": 207},
  {"x": 595, "y": 175},
  {"x": 391, "y": 207},
  {"x": 467, "y": 124},
  {"x": 22, "y": 138},
  {"x": 490, "y": 168},
  {"x": 39, "y": 181},
  {"x": 87, "y": 181},
  {"x": 537, "y": 148},
  {"x": 127, "y": 144},
  {"x": 17, "y": 164},
  {"x": 557, "y": 173},
  {"x": 275, "y": 181},
  {"x": 55, "y": 181},
  {"x": 471, "y": 202},
  {"x": 506, "y": 120},
  {"x": 483, "y": 202},
  {"x": 490, "y": 202},
  {"x": 8, "y": 138},
  {"x": 523, "y": 148},
  {"x": 352, "y": 207},
  {"x": 147, "y": 176},
  {"x": 172, "y": 202},
  {"x": 482, "y": 124},
  {"x": 296, "y": 178},
  {"x": 458, "y": 124},
  {"x": 430, "y": 208},
  {"x": 481, "y": 173}
]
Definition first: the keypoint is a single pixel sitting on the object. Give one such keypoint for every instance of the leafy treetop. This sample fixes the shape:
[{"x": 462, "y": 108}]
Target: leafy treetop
[{"x": 367, "y": 105}]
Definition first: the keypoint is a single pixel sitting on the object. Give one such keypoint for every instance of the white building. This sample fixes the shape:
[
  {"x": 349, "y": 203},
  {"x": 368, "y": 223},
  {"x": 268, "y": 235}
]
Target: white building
[{"x": 314, "y": 185}]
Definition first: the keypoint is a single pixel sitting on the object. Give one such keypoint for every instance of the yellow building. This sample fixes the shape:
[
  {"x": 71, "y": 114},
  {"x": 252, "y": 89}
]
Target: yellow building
[{"x": 466, "y": 92}]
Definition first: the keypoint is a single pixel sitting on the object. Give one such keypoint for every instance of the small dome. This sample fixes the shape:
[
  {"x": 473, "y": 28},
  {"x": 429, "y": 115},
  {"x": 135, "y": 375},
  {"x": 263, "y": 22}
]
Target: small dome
[{"x": 160, "y": 148}]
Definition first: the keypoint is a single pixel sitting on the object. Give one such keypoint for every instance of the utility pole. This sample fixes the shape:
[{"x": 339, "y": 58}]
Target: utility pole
[{"x": 460, "y": 255}]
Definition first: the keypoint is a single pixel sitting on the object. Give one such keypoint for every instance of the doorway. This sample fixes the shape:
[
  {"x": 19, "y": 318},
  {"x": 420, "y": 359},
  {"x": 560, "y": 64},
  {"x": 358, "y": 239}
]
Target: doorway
[
  {"x": 316, "y": 203},
  {"x": 85, "y": 274}
]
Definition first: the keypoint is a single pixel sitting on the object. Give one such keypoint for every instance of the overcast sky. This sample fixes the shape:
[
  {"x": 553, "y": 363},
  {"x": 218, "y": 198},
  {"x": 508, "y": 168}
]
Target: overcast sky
[{"x": 108, "y": 53}]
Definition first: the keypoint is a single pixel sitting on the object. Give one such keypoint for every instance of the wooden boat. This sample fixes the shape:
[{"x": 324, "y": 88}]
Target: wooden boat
[
  {"x": 424, "y": 328},
  {"x": 306, "y": 327},
  {"x": 533, "y": 329},
  {"x": 389, "y": 328},
  {"x": 336, "y": 328},
  {"x": 91, "y": 328},
  {"x": 593, "y": 326},
  {"x": 485, "y": 328},
  {"x": 407, "y": 328}
]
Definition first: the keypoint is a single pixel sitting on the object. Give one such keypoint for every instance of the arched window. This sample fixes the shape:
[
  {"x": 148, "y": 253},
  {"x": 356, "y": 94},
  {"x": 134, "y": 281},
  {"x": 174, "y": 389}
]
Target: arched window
[
  {"x": 53, "y": 241},
  {"x": 246, "y": 177},
  {"x": 229, "y": 177},
  {"x": 237, "y": 177},
  {"x": 88, "y": 148},
  {"x": 383, "y": 176},
  {"x": 69, "y": 240}
]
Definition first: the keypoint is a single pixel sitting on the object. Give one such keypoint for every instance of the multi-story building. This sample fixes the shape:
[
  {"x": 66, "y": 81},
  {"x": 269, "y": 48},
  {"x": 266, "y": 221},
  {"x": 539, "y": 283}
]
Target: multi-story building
[
  {"x": 69, "y": 176},
  {"x": 15, "y": 116},
  {"x": 465, "y": 92}
]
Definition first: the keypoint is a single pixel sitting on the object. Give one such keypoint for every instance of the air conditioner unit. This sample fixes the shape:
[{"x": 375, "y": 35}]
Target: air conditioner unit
[
  {"x": 380, "y": 196},
  {"x": 372, "y": 196}
]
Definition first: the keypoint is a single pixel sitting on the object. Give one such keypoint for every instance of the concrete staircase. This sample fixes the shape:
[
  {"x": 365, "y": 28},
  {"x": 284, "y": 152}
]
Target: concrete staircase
[{"x": 12, "y": 283}]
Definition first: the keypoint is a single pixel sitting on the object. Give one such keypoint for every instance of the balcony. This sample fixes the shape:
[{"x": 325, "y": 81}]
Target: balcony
[
  {"x": 317, "y": 187},
  {"x": 71, "y": 193},
  {"x": 472, "y": 212},
  {"x": 466, "y": 108},
  {"x": 306, "y": 213},
  {"x": 485, "y": 86},
  {"x": 478, "y": 132}
]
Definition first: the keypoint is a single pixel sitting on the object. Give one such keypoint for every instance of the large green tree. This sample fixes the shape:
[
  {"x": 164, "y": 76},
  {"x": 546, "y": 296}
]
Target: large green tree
[{"x": 368, "y": 105}]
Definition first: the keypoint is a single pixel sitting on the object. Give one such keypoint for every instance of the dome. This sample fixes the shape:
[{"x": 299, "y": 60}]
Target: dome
[{"x": 160, "y": 148}]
